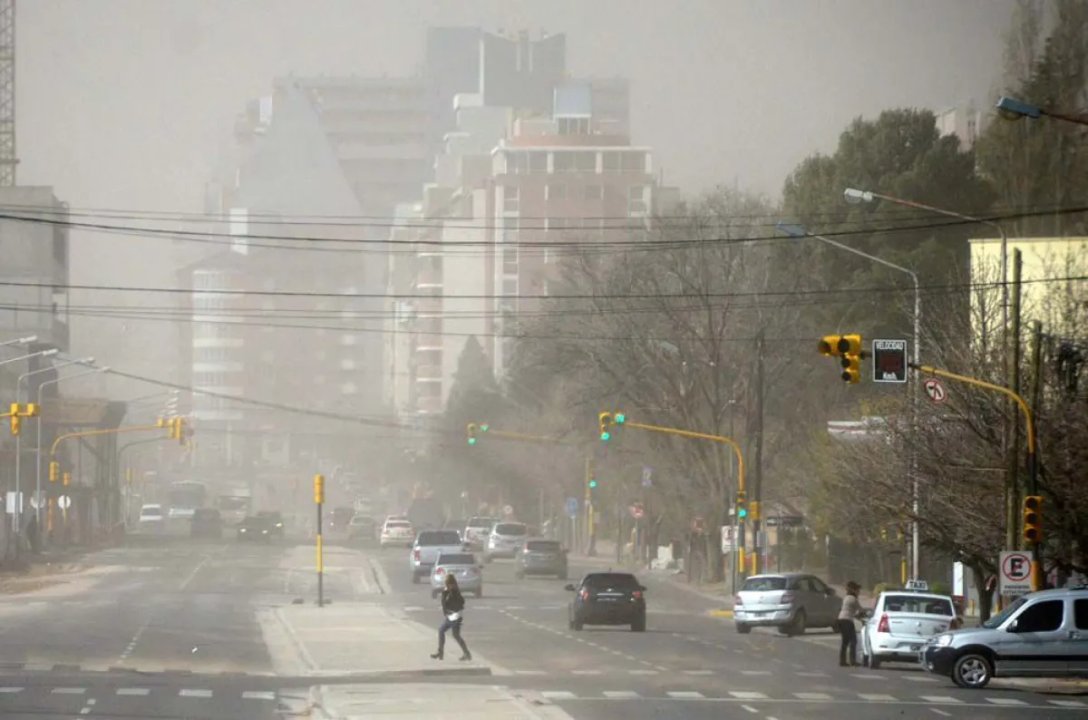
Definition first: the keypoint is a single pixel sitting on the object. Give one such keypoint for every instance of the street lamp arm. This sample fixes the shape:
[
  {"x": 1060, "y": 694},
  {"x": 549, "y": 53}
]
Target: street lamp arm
[
  {"x": 92, "y": 433},
  {"x": 699, "y": 436},
  {"x": 937, "y": 210}
]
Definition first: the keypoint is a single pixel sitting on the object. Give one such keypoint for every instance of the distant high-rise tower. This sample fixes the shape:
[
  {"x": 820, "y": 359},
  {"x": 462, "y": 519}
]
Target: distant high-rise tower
[{"x": 7, "y": 93}]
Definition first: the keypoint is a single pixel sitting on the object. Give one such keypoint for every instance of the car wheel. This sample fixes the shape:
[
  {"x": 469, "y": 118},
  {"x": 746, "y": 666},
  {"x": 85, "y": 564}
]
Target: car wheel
[
  {"x": 639, "y": 625},
  {"x": 744, "y": 628},
  {"x": 972, "y": 670},
  {"x": 873, "y": 662},
  {"x": 797, "y": 627}
]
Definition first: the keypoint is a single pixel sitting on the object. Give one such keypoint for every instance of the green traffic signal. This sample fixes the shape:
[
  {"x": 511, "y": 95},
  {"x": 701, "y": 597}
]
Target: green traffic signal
[
  {"x": 742, "y": 512},
  {"x": 593, "y": 484},
  {"x": 620, "y": 418},
  {"x": 605, "y": 437},
  {"x": 484, "y": 427},
  {"x": 472, "y": 441}
]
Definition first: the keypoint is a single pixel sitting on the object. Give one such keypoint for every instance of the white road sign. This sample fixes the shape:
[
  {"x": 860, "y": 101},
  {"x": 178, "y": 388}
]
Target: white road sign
[
  {"x": 1015, "y": 576},
  {"x": 64, "y": 502},
  {"x": 935, "y": 390},
  {"x": 729, "y": 538},
  {"x": 890, "y": 361}
]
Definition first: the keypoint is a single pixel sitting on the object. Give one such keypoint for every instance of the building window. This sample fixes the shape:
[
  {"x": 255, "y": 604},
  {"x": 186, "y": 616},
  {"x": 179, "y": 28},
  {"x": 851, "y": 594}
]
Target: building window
[
  {"x": 510, "y": 198},
  {"x": 538, "y": 162},
  {"x": 633, "y": 162},
  {"x": 636, "y": 201},
  {"x": 555, "y": 191},
  {"x": 610, "y": 162},
  {"x": 517, "y": 163},
  {"x": 563, "y": 162},
  {"x": 510, "y": 260},
  {"x": 573, "y": 126},
  {"x": 594, "y": 192},
  {"x": 585, "y": 162}
]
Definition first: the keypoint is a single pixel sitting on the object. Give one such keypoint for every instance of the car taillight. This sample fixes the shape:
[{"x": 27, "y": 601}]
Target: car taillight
[
  {"x": 738, "y": 600},
  {"x": 884, "y": 626},
  {"x": 440, "y": 571},
  {"x": 637, "y": 594},
  {"x": 415, "y": 554},
  {"x": 585, "y": 594},
  {"x": 787, "y": 598}
]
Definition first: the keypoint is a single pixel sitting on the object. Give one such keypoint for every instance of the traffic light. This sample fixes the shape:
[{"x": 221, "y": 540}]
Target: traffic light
[
  {"x": 54, "y": 471},
  {"x": 67, "y": 479},
  {"x": 848, "y": 349},
  {"x": 319, "y": 489},
  {"x": 593, "y": 482},
  {"x": 470, "y": 433},
  {"x": 605, "y": 421},
  {"x": 742, "y": 505},
  {"x": 1033, "y": 518}
]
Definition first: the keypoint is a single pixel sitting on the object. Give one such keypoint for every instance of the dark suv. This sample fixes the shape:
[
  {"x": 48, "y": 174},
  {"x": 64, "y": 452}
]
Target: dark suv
[
  {"x": 541, "y": 557},
  {"x": 275, "y": 523},
  {"x": 608, "y": 599}
]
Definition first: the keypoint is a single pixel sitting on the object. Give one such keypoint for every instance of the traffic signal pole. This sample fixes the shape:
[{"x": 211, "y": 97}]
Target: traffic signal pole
[{"x": 1029, "y": 422}]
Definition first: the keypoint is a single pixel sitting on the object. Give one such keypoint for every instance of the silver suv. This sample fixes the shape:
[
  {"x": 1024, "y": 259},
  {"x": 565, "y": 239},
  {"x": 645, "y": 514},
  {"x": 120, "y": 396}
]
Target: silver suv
[
  {"x": 1042, "y": 634},
  {"x": 789, "y": 601}
]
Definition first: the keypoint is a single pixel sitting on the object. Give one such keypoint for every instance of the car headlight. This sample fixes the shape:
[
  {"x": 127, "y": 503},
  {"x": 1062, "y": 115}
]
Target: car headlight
[{"x": 943, "y": 640}]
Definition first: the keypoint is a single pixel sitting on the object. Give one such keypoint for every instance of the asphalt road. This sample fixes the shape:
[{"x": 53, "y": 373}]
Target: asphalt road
[
  {"x": 690, "y": 664},
  {"x": 169, "y": 631}
]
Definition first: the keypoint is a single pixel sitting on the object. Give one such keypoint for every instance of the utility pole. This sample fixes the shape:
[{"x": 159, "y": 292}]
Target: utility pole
[
  {"x": 1012, "y": 485},
  {"x": 1036, "y": 391},
  {"x": 756, "y": 506}
]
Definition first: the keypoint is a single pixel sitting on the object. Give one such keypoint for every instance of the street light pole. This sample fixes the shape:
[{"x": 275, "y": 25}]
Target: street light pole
[
  {"x": 1013, "y": 109},
  {"x": 800, "y": 231}
]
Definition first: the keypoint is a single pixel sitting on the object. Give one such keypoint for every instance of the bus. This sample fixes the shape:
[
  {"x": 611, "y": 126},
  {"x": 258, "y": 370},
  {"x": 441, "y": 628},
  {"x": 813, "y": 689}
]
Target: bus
[
  {"x": 185, "y": 497},
  {"x": 234, "y": 505}
]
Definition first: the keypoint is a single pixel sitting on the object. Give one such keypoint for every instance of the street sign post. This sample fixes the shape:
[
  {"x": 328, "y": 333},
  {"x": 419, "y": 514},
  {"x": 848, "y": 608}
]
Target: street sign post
[
  {"x": 890, "y": 361},
  {"x": 572, "y": 507},
  {"x": 1015, "y": 576},
  {"x": 935, "y": 390}
]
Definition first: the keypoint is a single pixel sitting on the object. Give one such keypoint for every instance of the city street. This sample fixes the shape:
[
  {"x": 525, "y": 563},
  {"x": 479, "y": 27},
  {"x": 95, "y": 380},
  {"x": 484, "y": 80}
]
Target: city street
[{"x": 175, "y": 630}]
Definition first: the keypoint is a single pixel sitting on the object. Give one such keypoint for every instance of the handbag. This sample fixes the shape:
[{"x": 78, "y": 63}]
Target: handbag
[{"x": 454, "y": 616}]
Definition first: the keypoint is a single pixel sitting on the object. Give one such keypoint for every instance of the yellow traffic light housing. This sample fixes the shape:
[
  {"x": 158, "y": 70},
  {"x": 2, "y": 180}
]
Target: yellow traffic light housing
[
  {"x": 605, "y": 421},
  {"x": 470, "y": 433},
  {"x": 67, "y": 478},
  {"x": 848, "y": 349},
  {"x": 32, "y": 410},
  {"x": 742, "y": 505},
  {"x": 1033, "y": 518},
  {"x": 319, "y": 489},
  {"x": 54, "y": 471},
  {"x": 829, "y": 345}
]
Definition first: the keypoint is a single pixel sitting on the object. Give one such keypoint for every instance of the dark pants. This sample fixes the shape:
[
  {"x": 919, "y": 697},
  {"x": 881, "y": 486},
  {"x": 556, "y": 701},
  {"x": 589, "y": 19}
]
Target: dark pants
[
  {"x": 848, "y": 647},
  {"x": 454, "y": 626}
]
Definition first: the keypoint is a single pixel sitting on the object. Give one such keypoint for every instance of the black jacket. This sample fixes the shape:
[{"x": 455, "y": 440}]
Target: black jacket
[{"x": 452, "y": 601}]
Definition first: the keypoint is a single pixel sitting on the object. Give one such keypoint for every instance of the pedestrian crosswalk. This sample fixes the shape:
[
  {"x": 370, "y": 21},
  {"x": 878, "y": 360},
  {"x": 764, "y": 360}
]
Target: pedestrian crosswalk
[
  {"x": 200, "y": 693},
  {"x": 749, "y": 696}
]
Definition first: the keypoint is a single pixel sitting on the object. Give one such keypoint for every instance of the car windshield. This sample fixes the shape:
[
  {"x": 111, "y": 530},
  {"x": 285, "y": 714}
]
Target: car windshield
[
  {"x": 764, "y": 584},
  {"x": 616, "y": 581},
  {"x": 510, "y": 529},
  {"x": 440, "y": 537},
  {"x": 398, "y": 525},
  {"x": 918, "y": 605},
  {"x": 480, "y": 522},
  {"x": 542, "y": 546},
  {"x": 149, "y": 511},
  {"x": 997, "y": 620},
  {"x": 457, "y": 559}
]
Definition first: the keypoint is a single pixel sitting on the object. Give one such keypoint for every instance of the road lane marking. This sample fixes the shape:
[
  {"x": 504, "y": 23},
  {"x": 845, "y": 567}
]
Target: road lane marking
[
  {"x": 10, "y": 690},
  {"x": 684, "y": 694},
  {"x": 530, "y": 672},
  {"x": 866, "y": 676},
  {"x": 68, "y": 691},
  {"x": 812, "y": 674},
  {"x": 698, "y": 672},
  {"x": 811, "y": 696},
  {"x": 557, "y": 694},
  {"x": 586, "y": 672},
  {"x": 258, "y": 695},
  {"x": 1067, "y": 703},
  {"x": 747, "y": 695},
  {"x": 942, "y": 699},
  {"x": 140, "y": 692},
  {"x": 876, "y": 697},
  {"x": 920, "y": 678},
  {"x": 940, "y": 712},
  {"x": 755, "y": 672},
  {"x": 189, "y": 578},
  {"x": 662, "y": 668},
  {"x": 749, "y": 708},
  {"x": 620, "y": 694},
  {"x": 194, "y": 693},
  {"x": 1005, "y": 701},
  {"x": 642, "y": 672}
]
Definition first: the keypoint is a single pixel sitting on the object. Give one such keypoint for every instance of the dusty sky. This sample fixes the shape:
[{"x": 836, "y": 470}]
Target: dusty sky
[{"x": 127, "y": 103}]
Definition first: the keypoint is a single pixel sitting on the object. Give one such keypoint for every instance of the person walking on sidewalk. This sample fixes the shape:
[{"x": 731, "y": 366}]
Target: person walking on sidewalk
[
  {"x": 453, "y": 606},
  {"x": 851, "y": 609}
]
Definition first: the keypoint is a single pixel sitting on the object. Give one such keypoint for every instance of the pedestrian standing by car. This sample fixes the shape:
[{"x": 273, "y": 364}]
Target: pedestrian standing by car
[
  {"x": 851, "y": 609},
  {"x": 453, "y": 607}
]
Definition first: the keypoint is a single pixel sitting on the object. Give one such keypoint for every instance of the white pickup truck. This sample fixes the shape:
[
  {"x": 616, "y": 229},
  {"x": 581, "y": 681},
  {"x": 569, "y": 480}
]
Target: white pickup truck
[{"x": 428, "y": 546}]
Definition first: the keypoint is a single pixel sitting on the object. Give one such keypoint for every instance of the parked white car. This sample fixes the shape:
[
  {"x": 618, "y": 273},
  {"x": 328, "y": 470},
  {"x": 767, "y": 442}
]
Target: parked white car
[
  {"x": 152, "y": 518},
  {"x": 902, "y": 622}
]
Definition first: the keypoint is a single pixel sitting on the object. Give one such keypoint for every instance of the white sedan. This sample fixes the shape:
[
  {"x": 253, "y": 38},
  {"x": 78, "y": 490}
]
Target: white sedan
[
  {"x": 901, "y": 623},
  {"x": 397, "y": 533}
]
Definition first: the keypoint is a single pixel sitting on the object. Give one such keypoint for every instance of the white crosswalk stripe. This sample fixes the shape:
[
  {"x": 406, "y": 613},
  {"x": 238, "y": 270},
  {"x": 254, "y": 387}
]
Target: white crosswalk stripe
[
  {"x": 557, "y": 694},
  {"x": 698, "y": 672},
  {"x": 876, "y": 697},
  {"x": 642, "y": 672},
  {"x": 620, "y": 694},
  {"x": 1067, "y": 703},
  {"x": 747, "y": 695},
  {"x": 530, "y": 672},
  {"x": 812, "y": 696},
  {"x": 68, "y": 691},
  {"x": 135, "y": 692},
  {"x": 684, "y": 694},
  {"x": 1005, "y": 701},
  {"x": 586, "y": 672},
  {"x": 195, "y": 693},
  {"x": 258, "y": 695},
  {"x": 943, "y": 699},
  {"x": 10, "y": 690}
]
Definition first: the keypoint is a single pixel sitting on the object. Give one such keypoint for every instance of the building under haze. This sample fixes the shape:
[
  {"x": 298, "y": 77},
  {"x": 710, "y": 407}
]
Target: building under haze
[{"x": 35, "y": 254}]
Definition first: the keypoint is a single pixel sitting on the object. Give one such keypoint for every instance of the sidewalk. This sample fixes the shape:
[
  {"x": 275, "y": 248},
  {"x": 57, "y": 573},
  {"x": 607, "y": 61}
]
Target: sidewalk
[{"x": 359, "y": 639}]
